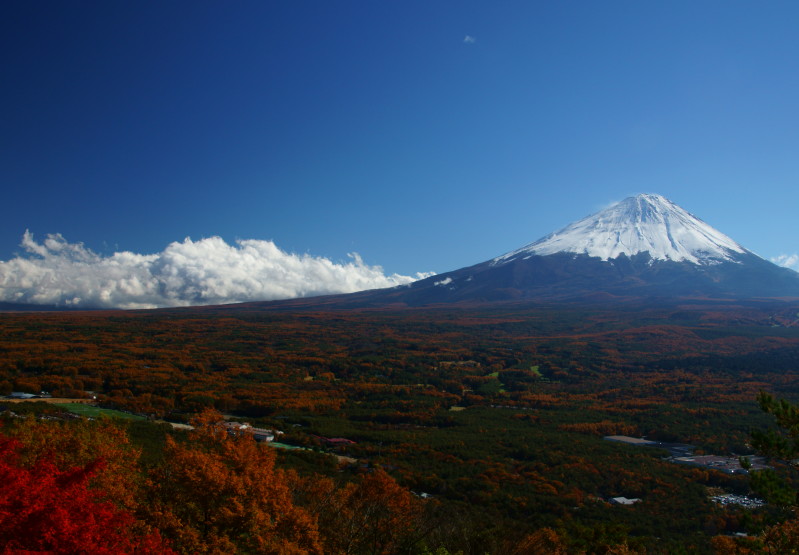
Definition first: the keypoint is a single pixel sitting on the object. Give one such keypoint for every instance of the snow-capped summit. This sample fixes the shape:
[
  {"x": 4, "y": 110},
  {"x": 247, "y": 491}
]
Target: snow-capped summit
[{"x": 643, "y": 223}]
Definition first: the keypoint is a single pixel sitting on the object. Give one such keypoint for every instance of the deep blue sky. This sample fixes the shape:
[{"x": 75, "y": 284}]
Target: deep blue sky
[{"x": 380, "y": 128}]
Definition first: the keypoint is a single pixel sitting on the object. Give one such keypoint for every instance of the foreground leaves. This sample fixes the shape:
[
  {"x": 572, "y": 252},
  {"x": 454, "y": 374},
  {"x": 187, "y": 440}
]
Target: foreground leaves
[{"x": 46, "y": 509}]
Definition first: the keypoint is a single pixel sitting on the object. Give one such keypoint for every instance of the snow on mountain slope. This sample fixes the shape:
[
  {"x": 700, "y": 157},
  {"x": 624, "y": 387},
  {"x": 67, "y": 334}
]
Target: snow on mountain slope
[{"x": 643, "y": 223}]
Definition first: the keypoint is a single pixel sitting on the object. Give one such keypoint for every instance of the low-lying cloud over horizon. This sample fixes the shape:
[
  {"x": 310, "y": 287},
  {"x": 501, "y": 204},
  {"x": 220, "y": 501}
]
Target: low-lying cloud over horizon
[
  {"x": 187, "y": 273},
  {"x": 787, "y": 260}
]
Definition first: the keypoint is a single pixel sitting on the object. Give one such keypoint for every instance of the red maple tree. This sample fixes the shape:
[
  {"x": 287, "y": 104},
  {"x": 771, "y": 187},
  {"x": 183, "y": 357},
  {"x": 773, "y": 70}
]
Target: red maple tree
[{"x": 46, "y": 509}]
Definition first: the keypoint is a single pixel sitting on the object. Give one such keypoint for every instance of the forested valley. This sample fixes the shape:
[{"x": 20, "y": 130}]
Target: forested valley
[{"x": 476, "y": 429}]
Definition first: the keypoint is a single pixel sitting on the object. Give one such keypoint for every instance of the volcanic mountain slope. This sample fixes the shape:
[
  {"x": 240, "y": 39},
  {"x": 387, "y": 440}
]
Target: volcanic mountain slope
[{"x": 645, "y": 246}]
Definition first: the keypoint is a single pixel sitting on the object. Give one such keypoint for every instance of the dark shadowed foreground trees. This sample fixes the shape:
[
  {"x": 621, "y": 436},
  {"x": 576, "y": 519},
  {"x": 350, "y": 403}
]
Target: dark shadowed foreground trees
[{"x": 778, "y": 486}]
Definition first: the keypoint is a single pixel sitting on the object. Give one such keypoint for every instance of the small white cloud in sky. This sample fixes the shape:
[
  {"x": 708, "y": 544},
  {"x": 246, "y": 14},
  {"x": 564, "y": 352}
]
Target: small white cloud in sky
[
  {"x": 468, "y": 39},
  {"x": 208, "y": 271},
  {"x": 607, "y": 205},
  {"x": 787, "y": 260}
]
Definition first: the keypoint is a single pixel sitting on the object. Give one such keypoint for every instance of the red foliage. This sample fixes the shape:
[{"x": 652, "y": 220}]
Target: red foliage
[{"x": 44, "y": 509}]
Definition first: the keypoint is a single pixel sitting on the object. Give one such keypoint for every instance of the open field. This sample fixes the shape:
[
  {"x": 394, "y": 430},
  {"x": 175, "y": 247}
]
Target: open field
[
  {"x": 96, "y": 412},
  {"x": 52, "y": 400}
]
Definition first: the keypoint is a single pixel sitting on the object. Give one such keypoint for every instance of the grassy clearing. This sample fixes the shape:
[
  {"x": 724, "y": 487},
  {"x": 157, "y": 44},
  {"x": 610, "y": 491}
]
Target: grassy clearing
[
  {"x": 95, "y": 412},
  {"x": 49, "y": 400},
  {"x": 286, "y": 446}
]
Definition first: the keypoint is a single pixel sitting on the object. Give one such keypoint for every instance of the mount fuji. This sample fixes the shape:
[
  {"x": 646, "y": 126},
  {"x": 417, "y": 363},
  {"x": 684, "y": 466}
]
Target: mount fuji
[
  {"x": 643, "y": 247},
  {"x": 641, "y": 224}
]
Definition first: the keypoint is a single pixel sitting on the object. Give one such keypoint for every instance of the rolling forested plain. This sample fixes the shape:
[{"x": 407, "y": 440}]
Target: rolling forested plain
[{"x": 475, "y": 429}]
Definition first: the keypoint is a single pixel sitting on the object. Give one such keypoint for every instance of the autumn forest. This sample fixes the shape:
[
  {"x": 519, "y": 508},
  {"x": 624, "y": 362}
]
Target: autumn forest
[{"x": 474, "y": 429}]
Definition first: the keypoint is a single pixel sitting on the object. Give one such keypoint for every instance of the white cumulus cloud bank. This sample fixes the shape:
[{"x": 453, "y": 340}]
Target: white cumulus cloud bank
[
  {"x": 208, "y": 271},
  {"x": 787, "y": 260}
]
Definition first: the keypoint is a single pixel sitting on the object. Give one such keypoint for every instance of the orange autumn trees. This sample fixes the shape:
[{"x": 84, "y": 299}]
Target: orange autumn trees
[
  {"x": 223, "y": 494},
  {"x": 80, "y": 443},
  {"x": 374, "y": 515}
]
